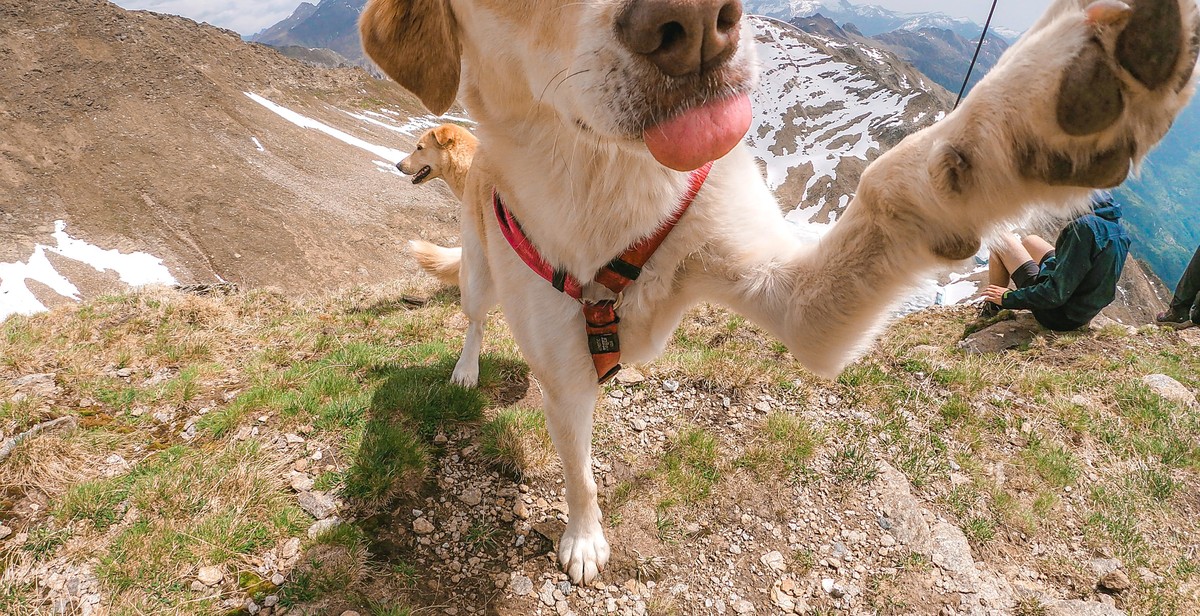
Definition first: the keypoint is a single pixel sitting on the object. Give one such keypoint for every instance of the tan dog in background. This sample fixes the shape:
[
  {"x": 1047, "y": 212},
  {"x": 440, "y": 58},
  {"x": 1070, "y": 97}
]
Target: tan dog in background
[
  {"x": 444, "y": 151},
  {"x": 591, "y": 111}
]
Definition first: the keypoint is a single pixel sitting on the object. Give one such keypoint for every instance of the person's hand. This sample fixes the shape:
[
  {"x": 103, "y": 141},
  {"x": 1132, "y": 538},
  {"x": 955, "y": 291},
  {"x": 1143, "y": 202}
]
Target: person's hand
[{"x": 994, "y": 294}]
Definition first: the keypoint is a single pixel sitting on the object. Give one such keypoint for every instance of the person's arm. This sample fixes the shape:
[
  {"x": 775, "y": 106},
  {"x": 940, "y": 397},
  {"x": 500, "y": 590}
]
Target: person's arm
[{"x": 1074, "y": 261}]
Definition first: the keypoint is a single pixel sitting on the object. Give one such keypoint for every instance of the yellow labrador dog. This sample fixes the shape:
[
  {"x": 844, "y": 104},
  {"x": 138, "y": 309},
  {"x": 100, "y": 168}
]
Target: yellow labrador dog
[
  {"x": 593, "y": 112},
  {"x": 444, "y": 151}
]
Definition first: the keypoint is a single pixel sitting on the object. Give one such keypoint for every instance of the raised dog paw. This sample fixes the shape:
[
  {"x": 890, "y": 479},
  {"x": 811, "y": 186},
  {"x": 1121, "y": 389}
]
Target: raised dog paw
[
  {"x": 1093, "y": 87},
  {"x": 583, "y": 552}
]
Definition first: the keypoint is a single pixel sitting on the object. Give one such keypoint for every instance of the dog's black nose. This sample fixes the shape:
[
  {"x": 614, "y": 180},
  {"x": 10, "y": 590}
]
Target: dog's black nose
[{"x": 681, "y": 37}]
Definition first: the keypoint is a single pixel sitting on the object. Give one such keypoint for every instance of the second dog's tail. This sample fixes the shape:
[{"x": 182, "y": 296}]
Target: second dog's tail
[{"x": 441, "y": 262}]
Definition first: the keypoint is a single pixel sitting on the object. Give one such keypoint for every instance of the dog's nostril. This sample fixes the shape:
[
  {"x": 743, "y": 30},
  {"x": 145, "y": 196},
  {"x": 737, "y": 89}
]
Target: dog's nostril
[
  {"x": 680, "y": 36},
  {"x": 672, "y": 34}
]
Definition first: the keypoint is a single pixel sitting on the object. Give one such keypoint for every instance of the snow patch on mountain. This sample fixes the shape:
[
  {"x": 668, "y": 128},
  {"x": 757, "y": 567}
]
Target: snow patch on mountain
[
  {"x": 813, "y": 110},
  {"x": 134, "y": 269}
]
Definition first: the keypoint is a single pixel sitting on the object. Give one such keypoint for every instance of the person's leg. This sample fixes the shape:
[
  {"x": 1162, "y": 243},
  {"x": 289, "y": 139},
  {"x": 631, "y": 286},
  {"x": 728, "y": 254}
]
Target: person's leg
[
  {"x": 1013, "y": 256},
  {"x": 1036, "y": 247},
  {"x": 997, "y": 273},
  {"x": 1187, "y": 292}
]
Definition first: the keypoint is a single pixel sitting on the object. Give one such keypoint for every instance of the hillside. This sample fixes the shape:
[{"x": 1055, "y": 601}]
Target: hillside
[
  {"x": 138, "y": 133},
  {"x": 943, "y": 54},
  {"x": 1165, "y": 199},
  {"x": 253, "y": 453},
  {"x": 828, "y": 105}
]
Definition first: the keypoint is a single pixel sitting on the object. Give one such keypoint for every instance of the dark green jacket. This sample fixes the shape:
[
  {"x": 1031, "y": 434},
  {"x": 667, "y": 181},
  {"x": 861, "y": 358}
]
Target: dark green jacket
[{"x": 1081, "y": 278}]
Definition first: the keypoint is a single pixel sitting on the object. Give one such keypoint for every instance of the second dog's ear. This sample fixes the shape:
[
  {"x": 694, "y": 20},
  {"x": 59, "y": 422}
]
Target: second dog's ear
[
  {"x": 416, "y": 43},
  {"x": 444, "y": 135}
]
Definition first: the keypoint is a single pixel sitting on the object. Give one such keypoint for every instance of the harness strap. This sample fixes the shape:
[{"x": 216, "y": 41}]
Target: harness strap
[{"x": 600, "y": 318}]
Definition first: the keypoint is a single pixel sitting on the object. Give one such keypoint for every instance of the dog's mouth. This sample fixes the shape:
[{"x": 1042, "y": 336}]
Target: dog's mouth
[{"x": 421, "y": 174}]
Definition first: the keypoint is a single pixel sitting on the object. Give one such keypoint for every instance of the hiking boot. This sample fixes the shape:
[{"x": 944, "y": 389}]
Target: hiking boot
[{"x": 1176, "y": 320}]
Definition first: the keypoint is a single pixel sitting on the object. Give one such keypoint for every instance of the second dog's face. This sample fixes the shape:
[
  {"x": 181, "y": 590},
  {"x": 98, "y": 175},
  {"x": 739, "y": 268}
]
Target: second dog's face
[{"x": 427, "y": 161}]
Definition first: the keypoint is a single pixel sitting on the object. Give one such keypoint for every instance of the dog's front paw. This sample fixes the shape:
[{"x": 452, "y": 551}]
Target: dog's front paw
[
  {"x": 583, "y": 552},
  {"x": 1128, "y": 71}
]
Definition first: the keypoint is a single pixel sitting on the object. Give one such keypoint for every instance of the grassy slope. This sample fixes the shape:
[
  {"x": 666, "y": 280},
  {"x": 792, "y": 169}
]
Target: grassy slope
[{"x": 1058, "y": 445}]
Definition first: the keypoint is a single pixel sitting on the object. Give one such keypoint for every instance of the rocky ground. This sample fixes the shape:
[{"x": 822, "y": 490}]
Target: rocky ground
[{"x": 252, "y": 454}]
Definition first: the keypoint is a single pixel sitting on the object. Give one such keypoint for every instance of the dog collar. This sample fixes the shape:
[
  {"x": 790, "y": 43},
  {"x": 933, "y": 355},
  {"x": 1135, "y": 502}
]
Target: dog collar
[{"x": 600, "y": 317}]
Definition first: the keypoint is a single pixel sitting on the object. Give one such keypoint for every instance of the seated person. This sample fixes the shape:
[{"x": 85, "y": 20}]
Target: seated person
[
  {"x": 1067, "y": 284},
  {"x": 1185, "y": 304}
]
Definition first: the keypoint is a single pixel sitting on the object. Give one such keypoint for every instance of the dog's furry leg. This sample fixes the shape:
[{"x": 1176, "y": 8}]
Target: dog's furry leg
[
  {"x": 1068, "y": 109},
  {"x": 583, "y": 550},
  {"x": 552, "y": 340},
  {"x": 478, "y": 297}
]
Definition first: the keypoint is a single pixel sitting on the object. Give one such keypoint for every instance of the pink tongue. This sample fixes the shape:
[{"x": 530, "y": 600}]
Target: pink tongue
[{"x": 700, "y": 135}]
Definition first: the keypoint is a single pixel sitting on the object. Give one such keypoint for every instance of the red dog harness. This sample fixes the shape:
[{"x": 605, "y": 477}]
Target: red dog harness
[{"x": 600, "y": 317}]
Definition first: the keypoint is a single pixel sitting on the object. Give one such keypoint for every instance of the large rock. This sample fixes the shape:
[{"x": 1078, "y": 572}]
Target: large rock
[
  {"x": 1170, "y": 389},
  {"x": 1002, "y": 336}
]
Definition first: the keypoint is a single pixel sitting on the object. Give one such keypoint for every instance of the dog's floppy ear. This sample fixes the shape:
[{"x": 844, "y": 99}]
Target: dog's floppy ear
[
  {"x": 416, "y": 43},
  {"x": 444, "y": 135}
]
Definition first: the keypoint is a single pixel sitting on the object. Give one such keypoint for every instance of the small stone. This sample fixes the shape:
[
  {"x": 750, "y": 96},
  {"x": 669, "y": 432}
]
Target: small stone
[
  {"x": 827, "y": 586},
  {"x": 471, "y": 497},
  {"x": 774, "y": 560},
  {"x": 763, "y": 407},
  {"x": 301, "y": 482},
  {"x": 782, "y": 600},
  {"x": 1115, "y": 581},
  {"x": 440, "y": 439},
  {"x": 252, "y": 607},
  {"x": 277, "y": 580},
  {"x": 520, "y": 585},
  {"x": 210, "y": 576},
  {"x": 321, "y": 527},
  {"x": 671, "y": 385},
  {"x": 198, "y": 586},
  {"x": 300, "y": 465},
  {"x": 290, "y": 550},
  {"x": 350, "y": 613},
  {"x": 125, "y": 373},
  {"x": 421, "y": 526},
  {"x": 317, "y": 455},
  {"x": 5, "y": 532},
  {"x": 293, "y": 439},
  {"x": 742, "y": 606},
  {"x": 547, "y": 594},
  {"x": 887, "y": 541},
  {"x": 638, "y": 424},
  {"x": 521, "y": 510},
  {"x": 318, "y": 504},
  {"x": 630, "y": 376},
  {"x": 270, "y": 600}
]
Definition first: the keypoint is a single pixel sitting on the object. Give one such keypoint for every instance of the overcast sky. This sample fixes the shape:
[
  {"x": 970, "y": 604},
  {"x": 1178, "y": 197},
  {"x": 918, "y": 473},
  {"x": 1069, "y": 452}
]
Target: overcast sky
[
  {"x": 245, "y": 17},
  {"x": 249, "y": 16}
]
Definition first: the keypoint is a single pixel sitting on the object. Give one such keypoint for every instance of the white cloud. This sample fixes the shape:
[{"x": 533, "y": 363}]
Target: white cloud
[{"x": 245, "y": 17}]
